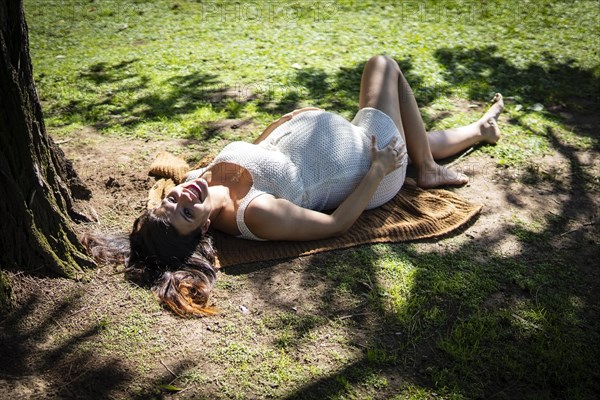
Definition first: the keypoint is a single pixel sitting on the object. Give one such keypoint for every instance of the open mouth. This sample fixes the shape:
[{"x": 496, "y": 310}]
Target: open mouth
[
  {"x": 196, "y": 191},
  {"x": 198, "y": 188}
]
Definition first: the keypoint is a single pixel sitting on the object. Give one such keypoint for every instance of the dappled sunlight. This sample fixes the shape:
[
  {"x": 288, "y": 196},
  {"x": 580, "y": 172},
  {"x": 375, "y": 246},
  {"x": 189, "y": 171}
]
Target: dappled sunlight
[
  {"x": 507, "y": 247},
  {"x": 506, "y": 307},
  {"x": 44, "y": 342}
]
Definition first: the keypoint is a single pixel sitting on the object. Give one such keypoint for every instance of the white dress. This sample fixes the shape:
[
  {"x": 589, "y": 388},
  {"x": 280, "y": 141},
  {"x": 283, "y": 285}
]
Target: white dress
[{"x": 315, "y": 161}]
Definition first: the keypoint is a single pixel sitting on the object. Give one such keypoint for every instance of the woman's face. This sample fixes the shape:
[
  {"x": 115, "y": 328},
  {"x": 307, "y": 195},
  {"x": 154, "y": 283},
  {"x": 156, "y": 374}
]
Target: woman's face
[{"x": 187, "y": 207}]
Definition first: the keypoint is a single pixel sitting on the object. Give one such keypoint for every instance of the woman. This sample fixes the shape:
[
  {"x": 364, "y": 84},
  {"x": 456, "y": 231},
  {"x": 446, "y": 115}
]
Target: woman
[{"x": 276, "y": 189}]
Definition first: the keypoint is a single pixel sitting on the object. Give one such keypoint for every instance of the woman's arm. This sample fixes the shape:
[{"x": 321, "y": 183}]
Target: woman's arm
[
  {"x": 284, "y": 118},
  {"x": 277, "y": 219}
]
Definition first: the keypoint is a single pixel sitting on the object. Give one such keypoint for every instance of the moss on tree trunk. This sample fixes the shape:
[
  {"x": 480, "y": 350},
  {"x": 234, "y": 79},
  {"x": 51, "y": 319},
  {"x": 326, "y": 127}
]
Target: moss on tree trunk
[
  {"x": 35, "y": 177},
  {"x": 6, "y": 295}
]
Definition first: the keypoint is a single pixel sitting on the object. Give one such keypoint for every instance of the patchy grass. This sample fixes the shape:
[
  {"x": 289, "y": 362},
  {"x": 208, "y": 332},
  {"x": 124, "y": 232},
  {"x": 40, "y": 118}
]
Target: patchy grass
[
  {"x": 494, "y": 320},
  {"x": 147, "y": 69},
  {"x": 507, "y": 308}
]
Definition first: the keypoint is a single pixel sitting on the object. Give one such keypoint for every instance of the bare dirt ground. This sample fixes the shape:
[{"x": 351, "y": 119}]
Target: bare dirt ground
[{"x": 47, "y": 350}]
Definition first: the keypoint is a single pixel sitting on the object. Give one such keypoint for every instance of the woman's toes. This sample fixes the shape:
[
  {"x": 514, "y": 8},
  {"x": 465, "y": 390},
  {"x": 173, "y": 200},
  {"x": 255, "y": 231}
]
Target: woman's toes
[{"x": 441, "y": 176}]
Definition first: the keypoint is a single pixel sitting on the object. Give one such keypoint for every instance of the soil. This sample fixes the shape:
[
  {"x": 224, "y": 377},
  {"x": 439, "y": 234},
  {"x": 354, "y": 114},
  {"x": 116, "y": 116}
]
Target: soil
[{"x": 43, "y": 339}]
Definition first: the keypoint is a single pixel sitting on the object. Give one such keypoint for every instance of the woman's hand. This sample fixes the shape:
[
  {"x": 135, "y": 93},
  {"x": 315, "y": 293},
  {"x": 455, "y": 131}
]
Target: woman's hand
[
  {"x": 281, "y": 120},
  {"x": 277, "y": 219},
  {"x": 290, "y": 115},
  {"x": 390, "y": 157}
]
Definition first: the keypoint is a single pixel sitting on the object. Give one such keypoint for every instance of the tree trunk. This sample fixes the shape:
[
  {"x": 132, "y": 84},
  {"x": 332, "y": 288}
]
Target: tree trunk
[{"x": 36, "y": 206}]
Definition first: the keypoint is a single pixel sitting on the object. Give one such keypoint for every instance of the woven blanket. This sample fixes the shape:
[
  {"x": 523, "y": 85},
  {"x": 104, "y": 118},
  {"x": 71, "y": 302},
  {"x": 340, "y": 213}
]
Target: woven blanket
[{"x": 412, "y": 214}]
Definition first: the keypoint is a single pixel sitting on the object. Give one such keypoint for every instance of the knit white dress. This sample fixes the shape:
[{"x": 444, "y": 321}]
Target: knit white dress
[{"x": 315, "y": 161}]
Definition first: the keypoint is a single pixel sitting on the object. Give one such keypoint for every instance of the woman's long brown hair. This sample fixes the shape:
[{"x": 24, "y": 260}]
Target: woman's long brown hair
[{"x": 179, "y": 269}]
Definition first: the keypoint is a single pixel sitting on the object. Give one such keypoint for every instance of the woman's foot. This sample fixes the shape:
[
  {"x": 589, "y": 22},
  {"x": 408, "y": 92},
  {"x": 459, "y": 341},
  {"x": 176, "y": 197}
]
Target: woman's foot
[
  {"x": 440, "y": 176},
  {"x": 488, "y": 124}
]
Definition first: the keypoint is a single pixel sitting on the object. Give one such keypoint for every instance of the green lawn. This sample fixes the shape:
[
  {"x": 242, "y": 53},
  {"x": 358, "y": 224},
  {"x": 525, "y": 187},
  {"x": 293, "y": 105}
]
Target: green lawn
[
  {"x": 169, "y": 68},
  {"x": 464, "y": 321}
]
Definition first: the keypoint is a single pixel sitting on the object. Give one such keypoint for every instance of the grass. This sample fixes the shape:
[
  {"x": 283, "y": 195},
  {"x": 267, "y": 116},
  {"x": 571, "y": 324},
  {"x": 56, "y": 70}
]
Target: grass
[
  {"x": 402, "y": 321},
  {"x": 530, "y": 338},
  {"x": 155, "y": 75}
]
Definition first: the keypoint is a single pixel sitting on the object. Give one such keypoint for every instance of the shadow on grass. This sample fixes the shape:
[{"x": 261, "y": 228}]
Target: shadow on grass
[
  {"x": 474, "y": 322},
  {"x": 339, "y": 93},
  {"x": 570, "y": 93},
  {"x": 59, "y": 367},
  {"x": 113, "y": 94},
  {"x": 497, "y": 328},
  {"x": 471, "y": 322},
  {"x": 548, "y": 81}
]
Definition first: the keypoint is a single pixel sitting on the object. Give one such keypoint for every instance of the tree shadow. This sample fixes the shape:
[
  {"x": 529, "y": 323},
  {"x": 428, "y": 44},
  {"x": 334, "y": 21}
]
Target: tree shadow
[
  {"x": 60, "y": 366},
  {"x": 466, "y": 309},
  {"x": 475, "y": 323},
  {"x": 101, "y": 72},
  {"x": 50, "y": 349},
  {"x": 569, "y": 92},
  {"x": 339, "y": 92},
  {"x": 536, "y": 311},
  {"x": 544, "y": 357},
  {"x": 115, "y": 94}
]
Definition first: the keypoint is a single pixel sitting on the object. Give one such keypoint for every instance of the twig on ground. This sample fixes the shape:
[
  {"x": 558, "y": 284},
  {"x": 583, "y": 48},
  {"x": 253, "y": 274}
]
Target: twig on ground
[
  {"x": 169, "y": 369},
  {"x": 85, "y": 371},
  {"x": 576, "y": 229},
  {"x": 460, "y": 158},
  {"x": 58, "y": 323},
  {"x": 86, "y": 307},
  {"x": 184, "y": 389},
  {"x": 78, "y": 311},
  {"x": 117, "y": 273},
  {"x": 62, "y": 141},
  {"x": 525, "y": 322},
  {"x": 352, "y": 315}
]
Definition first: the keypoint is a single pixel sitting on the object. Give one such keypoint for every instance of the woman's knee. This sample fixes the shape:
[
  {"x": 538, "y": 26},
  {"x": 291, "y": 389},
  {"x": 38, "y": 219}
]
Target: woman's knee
[{"x": 383, "y": 62}]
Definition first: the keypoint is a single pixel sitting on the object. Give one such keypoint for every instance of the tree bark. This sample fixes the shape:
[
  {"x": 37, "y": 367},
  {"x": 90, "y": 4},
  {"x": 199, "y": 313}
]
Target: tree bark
[
  {"x": 6, "y": 294},
  {"x": 36, "y": 206}
]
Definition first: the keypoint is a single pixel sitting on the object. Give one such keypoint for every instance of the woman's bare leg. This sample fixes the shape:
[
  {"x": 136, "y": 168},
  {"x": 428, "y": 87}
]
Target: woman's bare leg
[
  {"x": 384, "y": 87},
  {"x": 449, "y": 142}
]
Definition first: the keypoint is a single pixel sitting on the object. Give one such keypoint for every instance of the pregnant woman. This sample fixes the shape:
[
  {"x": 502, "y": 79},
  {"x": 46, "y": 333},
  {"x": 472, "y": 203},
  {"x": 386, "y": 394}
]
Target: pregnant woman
[{"x": 277, "y": 188}]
